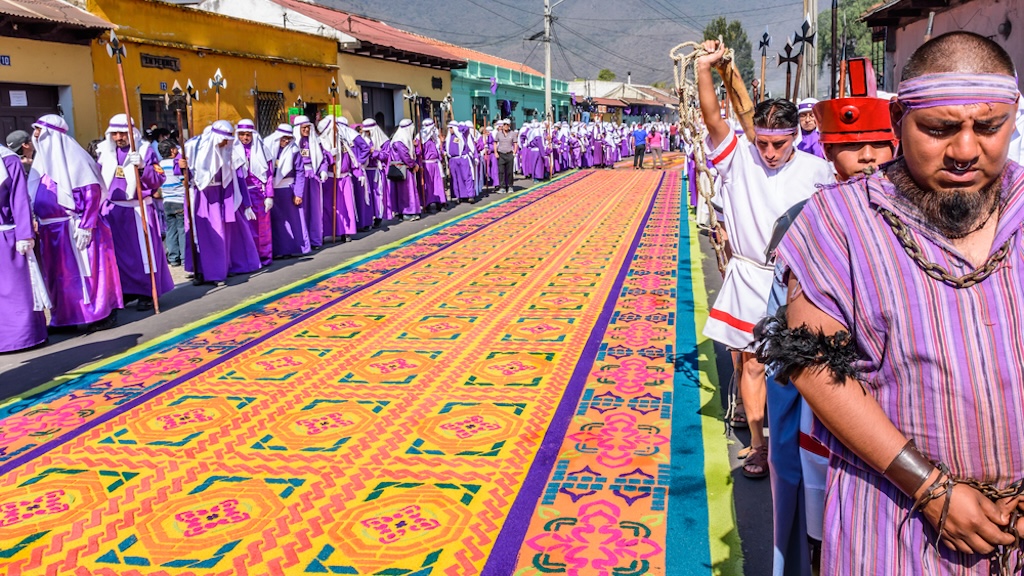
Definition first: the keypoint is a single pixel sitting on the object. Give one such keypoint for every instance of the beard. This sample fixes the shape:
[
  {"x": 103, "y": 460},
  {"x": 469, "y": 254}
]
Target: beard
[{"x": 955, "y": 212}]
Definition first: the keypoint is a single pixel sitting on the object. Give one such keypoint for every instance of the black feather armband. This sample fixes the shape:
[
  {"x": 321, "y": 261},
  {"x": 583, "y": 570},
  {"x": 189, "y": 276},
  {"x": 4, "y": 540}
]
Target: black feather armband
[{"x": 794, "y": 349}]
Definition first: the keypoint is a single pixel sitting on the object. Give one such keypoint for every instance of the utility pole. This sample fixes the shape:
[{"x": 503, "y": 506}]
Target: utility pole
[
  {"x": 547, "y": 59},
  {"x": 835, "y": 64}
]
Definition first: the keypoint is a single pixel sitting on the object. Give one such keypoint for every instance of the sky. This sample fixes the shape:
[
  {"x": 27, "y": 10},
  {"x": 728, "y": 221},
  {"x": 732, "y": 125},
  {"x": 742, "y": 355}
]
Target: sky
[{"x": 622, "y": 35}]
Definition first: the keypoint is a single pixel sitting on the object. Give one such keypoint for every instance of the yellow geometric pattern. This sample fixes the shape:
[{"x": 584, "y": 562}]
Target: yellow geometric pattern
[{"x": 387, "y": 432}]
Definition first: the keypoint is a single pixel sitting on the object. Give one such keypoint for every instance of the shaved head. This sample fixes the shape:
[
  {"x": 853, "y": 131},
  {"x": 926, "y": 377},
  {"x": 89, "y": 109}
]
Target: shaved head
[{"x": 963, "y": 52}]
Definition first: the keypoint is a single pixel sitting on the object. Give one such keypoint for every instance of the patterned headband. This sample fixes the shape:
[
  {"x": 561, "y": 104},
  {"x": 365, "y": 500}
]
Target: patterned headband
[
  {"x": 50, "y": 126},
  {"x": 957, "y": 89},
  {"x": 775, "y": 131},
  {"x": 221, "y": 132}
]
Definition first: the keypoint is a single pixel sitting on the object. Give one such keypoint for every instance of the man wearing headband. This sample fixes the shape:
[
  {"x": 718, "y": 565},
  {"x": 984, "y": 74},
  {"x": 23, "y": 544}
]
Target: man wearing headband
[
  {"x": 857, "y": 137},
  {"x": 902, "y": 328},
  {"x": 430, "y": 165},
  {"x": 371, "y": 150},
  {"x": 122, "y": 212},
  {"x": 76, "y": 247},
  {"x": 760, "y": 181},
  {"x": 21, "y": 285},
  {"x": 403, "y": 156},
  {"x": 339, "y": 195},
  {"x": 258, "y": 185},
  {"x": 314, "y": 164},
  {"x": 222, "y": 206},
  {"x": 809, "y": 135},
  {"x": 460, "y": 164},
  {"x": 288, "y": 233}
]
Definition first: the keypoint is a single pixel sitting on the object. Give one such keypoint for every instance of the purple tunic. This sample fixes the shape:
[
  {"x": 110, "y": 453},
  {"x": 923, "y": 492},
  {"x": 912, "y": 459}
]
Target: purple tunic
[
  {"x": 289, "y": 234},
  {"x": 810, "y": 143},
  {"x": 339, "y": 208},
  {"x": 491, "y": 162},
  {"x": 224, "y": 237},
  {"x": 67, "y": 287},
  {"x": 23, "y": 326},
  {"x": 433, "y": 176},
  {"x": 364, "y": 187},
  {"x": 538, "y": 158},
  {"x": 406, "y": 193},
  {"x": 258, "y": 192},
  {"x": 313, "y": 194},
  {"x": 944, "y": 364},
  {"x": 463, "y": 186},
  {"x": 122, "y": 215}
]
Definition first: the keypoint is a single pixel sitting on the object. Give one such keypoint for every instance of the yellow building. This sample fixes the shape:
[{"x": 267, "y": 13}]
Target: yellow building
[
  {"x": 378, "y": 64},
  {"x": 267, "y": 69},
  {"x": 51, "y": 76}
]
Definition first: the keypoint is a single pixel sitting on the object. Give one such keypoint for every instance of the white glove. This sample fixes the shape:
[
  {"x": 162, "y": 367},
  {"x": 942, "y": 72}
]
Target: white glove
[
  {"x": 323, "y": 177},
  {"x": 268, "y": 204},
  {"x": 250, "y": 215},
  {"x": 133, "y": 159},
  {"x": 25, "y": 246},
  {"x": 82, "y": 238}
]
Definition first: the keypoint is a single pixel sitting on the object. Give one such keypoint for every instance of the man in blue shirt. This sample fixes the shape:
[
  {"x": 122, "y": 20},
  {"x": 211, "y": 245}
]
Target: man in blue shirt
[{"x": 639, "y": 147}]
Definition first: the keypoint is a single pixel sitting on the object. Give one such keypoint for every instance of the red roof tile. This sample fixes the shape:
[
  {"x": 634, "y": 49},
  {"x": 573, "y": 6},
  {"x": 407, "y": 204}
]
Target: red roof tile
[
  {"x": 470, "y": 54},
  {"x": 609, "y": 102},
  {"x": 370, "y": 31}
]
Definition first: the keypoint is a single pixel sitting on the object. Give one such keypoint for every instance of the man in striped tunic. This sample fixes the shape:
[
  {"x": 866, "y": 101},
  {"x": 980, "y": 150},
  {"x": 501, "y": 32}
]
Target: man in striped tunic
[{"x": 903, "y": 328}]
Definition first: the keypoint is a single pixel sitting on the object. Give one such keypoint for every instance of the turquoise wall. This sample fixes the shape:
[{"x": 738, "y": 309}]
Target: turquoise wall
[{"x": 473, "y": 84}]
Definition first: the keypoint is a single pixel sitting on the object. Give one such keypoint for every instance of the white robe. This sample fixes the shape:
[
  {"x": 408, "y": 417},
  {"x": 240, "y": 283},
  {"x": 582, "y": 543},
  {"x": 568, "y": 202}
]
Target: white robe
[{"x": 753, "y": 197}]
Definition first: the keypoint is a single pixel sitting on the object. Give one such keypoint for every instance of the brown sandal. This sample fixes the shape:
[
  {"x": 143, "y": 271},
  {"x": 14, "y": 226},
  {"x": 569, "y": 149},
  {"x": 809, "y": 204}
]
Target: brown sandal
[{"x": 758, "y": 460}]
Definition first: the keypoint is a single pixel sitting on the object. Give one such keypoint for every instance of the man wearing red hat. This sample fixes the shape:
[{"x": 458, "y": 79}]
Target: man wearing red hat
[
  {"x": 902, "y": 328},
  {"x": 856, "y": 135}
]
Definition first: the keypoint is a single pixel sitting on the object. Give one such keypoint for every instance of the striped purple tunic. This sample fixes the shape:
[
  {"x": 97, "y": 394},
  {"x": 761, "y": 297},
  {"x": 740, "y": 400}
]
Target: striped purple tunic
[{"x": 946, "y": 365}]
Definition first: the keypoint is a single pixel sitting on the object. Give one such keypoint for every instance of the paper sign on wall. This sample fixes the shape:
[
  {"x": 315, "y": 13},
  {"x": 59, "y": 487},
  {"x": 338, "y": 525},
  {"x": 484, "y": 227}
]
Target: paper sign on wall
[{"x": 19, "y": 98}]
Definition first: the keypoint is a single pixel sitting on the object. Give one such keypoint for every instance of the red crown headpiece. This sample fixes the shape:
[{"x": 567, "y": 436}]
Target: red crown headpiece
[{"x": 846, "y": 120}]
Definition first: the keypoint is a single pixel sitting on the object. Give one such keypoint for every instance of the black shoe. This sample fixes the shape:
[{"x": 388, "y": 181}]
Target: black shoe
[
  {"x": 107, "y": 323},
  {"x": 376, "y": 222},
  {"x": 144, "y": 304}
]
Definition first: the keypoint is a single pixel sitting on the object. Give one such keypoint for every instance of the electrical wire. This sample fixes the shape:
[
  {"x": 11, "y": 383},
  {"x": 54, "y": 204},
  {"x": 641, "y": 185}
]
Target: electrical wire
[{"x": 607, "y": 51}]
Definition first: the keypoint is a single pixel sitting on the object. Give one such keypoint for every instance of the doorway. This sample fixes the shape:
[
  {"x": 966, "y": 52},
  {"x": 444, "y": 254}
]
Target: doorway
[{"x": 23, "y": 104}]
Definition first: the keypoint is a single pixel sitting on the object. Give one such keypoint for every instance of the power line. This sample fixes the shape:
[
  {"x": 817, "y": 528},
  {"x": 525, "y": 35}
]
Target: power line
[{"x": 599, "y": 47}]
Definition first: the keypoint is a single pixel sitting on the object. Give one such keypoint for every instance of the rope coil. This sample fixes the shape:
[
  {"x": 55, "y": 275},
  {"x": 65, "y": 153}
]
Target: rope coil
[{"x": 690, "y": 116}]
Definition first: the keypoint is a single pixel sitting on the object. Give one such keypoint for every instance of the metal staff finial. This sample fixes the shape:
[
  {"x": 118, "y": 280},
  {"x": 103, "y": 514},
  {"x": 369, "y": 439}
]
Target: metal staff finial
[
  {"x": 788, "y": 59},
  {"x": 216, "y": 83}
]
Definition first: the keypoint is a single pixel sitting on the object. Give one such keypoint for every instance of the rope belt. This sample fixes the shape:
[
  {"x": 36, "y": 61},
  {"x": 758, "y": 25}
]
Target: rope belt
[
  {"x": 81, "y": 256},
  {"x": 134, "y": 205}
]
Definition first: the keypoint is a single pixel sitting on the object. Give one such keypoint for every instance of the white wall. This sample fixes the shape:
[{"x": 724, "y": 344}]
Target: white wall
[
  {"x": 268, "y": 12},
  {"x": 980, "y": 16}
]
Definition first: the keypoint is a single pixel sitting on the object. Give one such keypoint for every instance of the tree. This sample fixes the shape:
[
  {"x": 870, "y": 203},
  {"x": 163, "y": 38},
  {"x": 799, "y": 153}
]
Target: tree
[
  {"x": 858, "y": 35},
  {"x": 606, "y": 74},
  {"x": 735, "y": 37},
  {"x": 660, "y": 84}
]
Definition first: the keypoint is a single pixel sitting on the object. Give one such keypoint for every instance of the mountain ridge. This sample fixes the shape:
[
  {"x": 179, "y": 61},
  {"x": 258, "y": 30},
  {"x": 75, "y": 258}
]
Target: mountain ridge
[{"x": 624, "y": 35}]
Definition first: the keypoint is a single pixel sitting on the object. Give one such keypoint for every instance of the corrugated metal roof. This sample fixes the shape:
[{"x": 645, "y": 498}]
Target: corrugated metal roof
[
  {"x": 610, "y": 102},
  {"x": 53, "y": 11},
  {"x": 371, "y": 31}
]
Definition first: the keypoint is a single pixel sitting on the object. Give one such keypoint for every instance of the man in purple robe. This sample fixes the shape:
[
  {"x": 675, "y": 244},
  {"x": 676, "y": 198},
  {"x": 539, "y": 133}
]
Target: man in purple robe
[
  {"x": 339, "y": 207},
  {"x": 459, "y": 151},
  {"x": 259, "y": 186},
  {"x": 403, "y": 156},
  {"x": 76, "y": 247},
  {"x": 313, "y": 164},
  {"x": 24, "y": 320},
  {"x": 430, "y": 165},
  {"x": 809, "y": 136},
  {"x": 289, "y": 234},
  {"x": 373, "y": 157},
  {"x": 118, "y": 164},
  {"x": 538, "y": 153},
  {"x": 223, "y": 239}
]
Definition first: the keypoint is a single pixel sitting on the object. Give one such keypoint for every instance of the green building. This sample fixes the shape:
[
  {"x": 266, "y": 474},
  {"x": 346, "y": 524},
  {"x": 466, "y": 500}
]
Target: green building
[{"x": 519, "y": 93}]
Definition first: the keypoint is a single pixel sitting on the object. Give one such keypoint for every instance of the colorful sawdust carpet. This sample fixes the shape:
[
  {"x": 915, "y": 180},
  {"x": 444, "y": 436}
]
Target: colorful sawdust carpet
[{"x": 520, "y": 390}]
